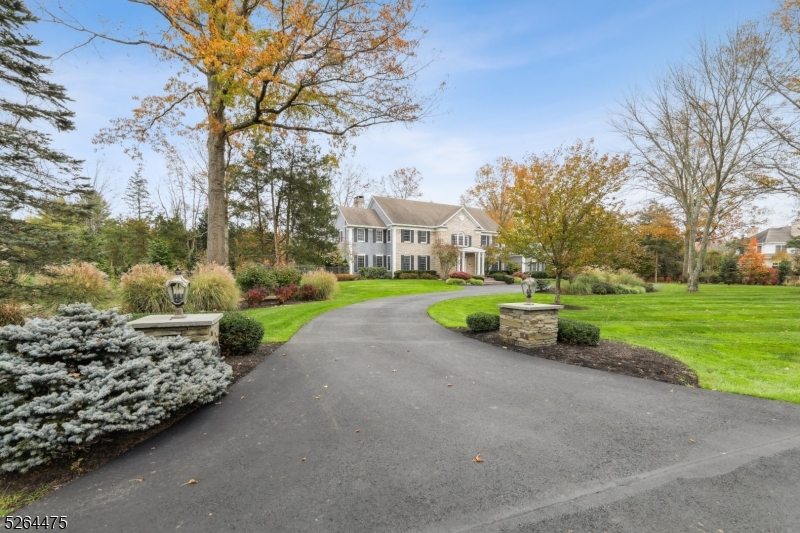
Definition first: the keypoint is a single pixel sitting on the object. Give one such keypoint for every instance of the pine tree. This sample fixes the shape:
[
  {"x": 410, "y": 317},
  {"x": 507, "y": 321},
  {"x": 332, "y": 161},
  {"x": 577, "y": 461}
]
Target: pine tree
[
  {"x": 137, "y": 198},
  {"x": 32, "y": 174}
]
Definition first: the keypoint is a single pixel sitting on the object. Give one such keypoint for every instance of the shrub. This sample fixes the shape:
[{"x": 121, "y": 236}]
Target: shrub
[
  {"x": 455, "y": 281},
  {"x": 539, "y": 274},
  {"x": 324, "y": 284},
  {"x": 517, "y": 280},
  {"x": 629, "y": 289},
  {"x": 542, "y": 284},
  {"x": 577, "y": 332},
  {"x": 509, "y": 280},
  {"x": 398, "y": 273},
  {"x": 626, "y": 277},
  {"x": 519, "y": 274},
  {"x": 212, "y": 288},
  {"x": 76, "y": 282},
  {"x": 239, "y": 334},
  {"x": 287, "y": 275},
  {"x": 427, "y": 276},
  {"x": 285, "y": 294},
  {"x": 478, "y": 322},
  {"x": 648, "y": 287},
  {"x": 579, "y": 286},
  {"x": 374, "y": 273},
  {"x": 11, "y": 313},
  {"x": 499, "y": 276},
  {"x": 346, "y": 277},
  {"x": 256, "y": 295},
  {"x": 142, "y": 290},
  {"x": 476, "y": 276},
  {"x": 158, "y": 252},
  {"x": 93, "y": 376},
  {"x": 603, "y": 287},
  {"x": 474, "y": 281},
  {"x": 254, "y": 275},
  {"x": 307, "y": 293},
  {"x": 458, "y": 274},
  {"x": 408, "y": 275}
]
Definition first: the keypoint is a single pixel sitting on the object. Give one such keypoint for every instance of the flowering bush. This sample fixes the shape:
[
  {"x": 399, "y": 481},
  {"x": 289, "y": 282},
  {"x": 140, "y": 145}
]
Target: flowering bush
[
  {"x": 256, "y": 296},
  {"x": 520, "y": 275},
  {"x": 458, "y": 274},
  {"x": 68, "y": 380},
  {"x": 285, "y": 294}
]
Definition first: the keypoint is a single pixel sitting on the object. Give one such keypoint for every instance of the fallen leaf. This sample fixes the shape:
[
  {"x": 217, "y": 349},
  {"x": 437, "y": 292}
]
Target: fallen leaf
[
  {"x": 283, "y": 354},
  {"x": 242, "y": 398},
  {"x": 358, "y": 431},
  {"x": 473, "y": 383},
  {"x": 249, "y": 380},
  {"x": 217, "y": 403},
  {"x": 316, "y": 397},
  {"x": 209, "y": 514},
  {"x": 505, "y": 348},
  {"x": 139, "y": 479},
  {"x": 449, "y": 384},
  {"x": 394, "y": 370},
  {"x": 478, "y": 458},
  {"x": 324, "y": 386},
  {"x": 691, "y": 440},
  {"x": 190, "y": 482},
  {"x": 672, "y": 390},
  {"x": 303, "y": 459},
  {"x": 153, "y": 448}
]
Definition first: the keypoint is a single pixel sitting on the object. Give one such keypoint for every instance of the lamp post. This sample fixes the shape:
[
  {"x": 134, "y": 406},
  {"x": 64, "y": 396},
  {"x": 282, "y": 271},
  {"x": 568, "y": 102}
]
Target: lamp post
[
  {"x": 528, "y": 289},
  {"x": 177, "y": 289}
]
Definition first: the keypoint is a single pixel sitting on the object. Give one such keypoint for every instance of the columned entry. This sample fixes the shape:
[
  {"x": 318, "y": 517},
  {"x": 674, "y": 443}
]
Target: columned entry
[{"x": 472, "y": 260}]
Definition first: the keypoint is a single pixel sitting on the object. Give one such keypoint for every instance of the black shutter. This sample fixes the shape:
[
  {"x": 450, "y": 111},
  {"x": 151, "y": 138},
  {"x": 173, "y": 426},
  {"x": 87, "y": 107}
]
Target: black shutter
[
  {"x": 411, "y": 262},
  {"x": 374, "y": 260},
  {"x": 366, "y": 235},
  {"x": 469, "y": 240},
  {"x": 454, "y": 239},
  {"x": 402, "y": 262},
  {"x": 428, "y": 233},
  {"x": 386, "y": 262},
  {"x": 411, "y": 234},
  {"x": 419, "y": 236},
  {"x": 355, "y": 234}
]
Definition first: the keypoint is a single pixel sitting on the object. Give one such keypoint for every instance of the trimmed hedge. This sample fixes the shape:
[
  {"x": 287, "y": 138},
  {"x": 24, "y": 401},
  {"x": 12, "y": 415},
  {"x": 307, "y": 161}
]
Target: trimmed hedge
[
  {"x": 417, "y": 272},
  {"x": 374, "y": 273},
  {"x": 576, "y": 332},
  {"x": 459, "y": 274},
  {"x": 455, "y": 281},
  {"x": 239, "y": 334},
  {"x": 538, "y": 274},
  {"x": 346, "y": 277},
  {"x": 474, "y": 281},
  {"x": 508, "y": 279},
  {"x": 479, "y": 322}
]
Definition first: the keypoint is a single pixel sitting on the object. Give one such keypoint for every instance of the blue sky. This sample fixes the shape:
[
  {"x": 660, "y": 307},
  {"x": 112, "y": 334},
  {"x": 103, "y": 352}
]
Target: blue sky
[{"x": 522, "y": 76}]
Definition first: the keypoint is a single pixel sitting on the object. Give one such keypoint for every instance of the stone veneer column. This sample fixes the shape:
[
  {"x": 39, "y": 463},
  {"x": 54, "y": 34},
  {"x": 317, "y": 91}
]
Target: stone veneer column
[
  {"x": 198, "y": 327},
  {"x": 529, "y": 325}
]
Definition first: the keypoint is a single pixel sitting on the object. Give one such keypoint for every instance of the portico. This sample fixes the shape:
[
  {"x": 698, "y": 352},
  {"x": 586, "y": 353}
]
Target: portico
[{"x": 472, "y": 260}]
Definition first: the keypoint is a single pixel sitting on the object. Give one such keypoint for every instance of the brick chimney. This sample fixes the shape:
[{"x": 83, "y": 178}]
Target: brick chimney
[
  {"x": 358, "y": 201},
  {"x": 795, "y": 231}
]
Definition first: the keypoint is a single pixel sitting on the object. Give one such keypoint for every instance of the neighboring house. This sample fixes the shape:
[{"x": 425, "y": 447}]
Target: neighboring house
[
  {"x": 399, "y": 234},
  {"x": 773, "y": 240}
]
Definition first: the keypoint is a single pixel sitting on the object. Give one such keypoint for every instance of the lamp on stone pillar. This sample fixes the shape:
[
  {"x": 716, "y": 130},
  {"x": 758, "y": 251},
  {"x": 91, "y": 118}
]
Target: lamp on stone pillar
[
  {"x": 528, "y": 289},
  {"x": 177, "y": 289}
]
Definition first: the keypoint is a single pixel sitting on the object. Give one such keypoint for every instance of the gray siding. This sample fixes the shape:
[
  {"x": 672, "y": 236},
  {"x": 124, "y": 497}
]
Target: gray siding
[{"x": 371, "y": 248}]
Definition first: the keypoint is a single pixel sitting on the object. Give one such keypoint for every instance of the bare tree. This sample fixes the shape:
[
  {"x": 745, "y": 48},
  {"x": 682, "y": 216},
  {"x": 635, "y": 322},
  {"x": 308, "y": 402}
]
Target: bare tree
[
  {"x": 700, "y": 138},
  {"x": 349, "y": 182},
  {"x": 403, "y": 183}
]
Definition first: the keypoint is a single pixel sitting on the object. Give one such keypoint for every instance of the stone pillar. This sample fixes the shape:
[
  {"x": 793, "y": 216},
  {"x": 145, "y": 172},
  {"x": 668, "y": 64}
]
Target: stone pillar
[
  {"x": 529, "y": 325},
  {"x": 198, "y": 327}
]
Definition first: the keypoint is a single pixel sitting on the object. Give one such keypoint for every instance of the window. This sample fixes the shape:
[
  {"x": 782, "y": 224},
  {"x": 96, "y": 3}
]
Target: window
[
  {"x": 406, "y": 235},
  {"x": 424, "y": 262},
  {"x": 378, "y": 260},
  {"x": 378, "y": 235},
  {"x": 361, "y": 261},
  {"x": 389, "y": 235},
  {"x": 780, "y": 248},
  {"x": 361, "y": 235},
  {"x": 406, "y": 262},
  {"x": 389, "y": 262},
  {"x": 424, "y": 237},
  {"x": 759, "y": 248},
  {"x": 341, "y": 236},
  {"x": 459, "y": 239},
  {"x": 486, "y": 240}
]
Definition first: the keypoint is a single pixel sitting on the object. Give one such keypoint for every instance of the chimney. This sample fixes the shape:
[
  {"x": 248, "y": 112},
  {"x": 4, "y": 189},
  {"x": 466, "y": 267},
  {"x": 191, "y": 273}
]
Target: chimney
[
  {"x": 751, "y": 232},
  {"x": 795, "y": 228},
  {"x": 358, "y": 201}
]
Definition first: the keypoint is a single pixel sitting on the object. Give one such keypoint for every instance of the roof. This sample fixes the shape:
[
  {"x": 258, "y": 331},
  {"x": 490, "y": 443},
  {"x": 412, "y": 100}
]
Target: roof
[
  {"x": 416, "y": 213},
  {"x": 783, "y": 234},
  {"x": 358, "y": 216}
]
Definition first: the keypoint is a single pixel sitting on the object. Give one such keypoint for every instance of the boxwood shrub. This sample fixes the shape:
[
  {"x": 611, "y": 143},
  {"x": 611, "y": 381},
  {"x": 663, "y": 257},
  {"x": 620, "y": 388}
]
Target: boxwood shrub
[
  {"x": 479, "y": 322},
  {"x": 397, "y": 273},
  {"x": 576, "y": 332},
  {"x": 239, "y": 334},
  {"x": 455, "y": 281}
]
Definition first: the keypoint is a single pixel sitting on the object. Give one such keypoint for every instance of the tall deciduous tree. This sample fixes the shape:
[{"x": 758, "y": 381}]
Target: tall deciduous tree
[
  {"x": 700, "y": 139},
  {"x": 349, "y": 182},
  {"x": 32, "y": 173},
  {"x": 492, "y": 190},
  {"x": 403, "y": 183},
  {"x": 327, "y": 66},
  {"x": 447, "y": 254},
  {"x": 565, "y": 209}
]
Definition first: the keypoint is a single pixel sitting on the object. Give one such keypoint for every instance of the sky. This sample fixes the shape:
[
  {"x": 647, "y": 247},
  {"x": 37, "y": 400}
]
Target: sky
[{"x": 521, "y": 76}]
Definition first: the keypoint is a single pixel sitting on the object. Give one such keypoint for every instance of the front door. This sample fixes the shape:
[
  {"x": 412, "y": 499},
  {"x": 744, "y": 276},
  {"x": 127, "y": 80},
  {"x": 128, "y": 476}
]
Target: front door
[{"x": 470, "y": 266}]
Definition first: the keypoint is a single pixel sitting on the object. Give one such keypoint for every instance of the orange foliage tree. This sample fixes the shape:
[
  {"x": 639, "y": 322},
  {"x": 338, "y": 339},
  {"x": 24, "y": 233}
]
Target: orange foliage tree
[
  {"x": 492, "y": 190},
  {"x": 752, "y": 264},
  {"x": 332, "y": 67},
  {"x": 565, "y": 210}
]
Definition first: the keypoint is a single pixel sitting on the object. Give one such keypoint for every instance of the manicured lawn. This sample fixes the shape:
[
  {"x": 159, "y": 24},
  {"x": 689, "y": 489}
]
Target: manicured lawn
[
  {"x": 741, "y": 339},
  {"x": 280, "y": 323}
]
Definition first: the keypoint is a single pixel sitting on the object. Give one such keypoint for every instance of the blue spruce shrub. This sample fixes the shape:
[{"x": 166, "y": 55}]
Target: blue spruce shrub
[{"x": 68, "y": 380}]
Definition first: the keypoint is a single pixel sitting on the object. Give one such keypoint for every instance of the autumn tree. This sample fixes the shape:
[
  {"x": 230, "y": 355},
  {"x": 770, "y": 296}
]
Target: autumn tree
[
  {"x": 492, "y": 190},
  {"x": 403, "y": 183},
  {"x": 698, "y": 138},
  {"x": 661, "y": 239},
  {"x": 565, "y": 209},
  {"x": 751, "y": 264},
  {"x": 332, "y": 67},
  {"x": 447, "y": 254}
]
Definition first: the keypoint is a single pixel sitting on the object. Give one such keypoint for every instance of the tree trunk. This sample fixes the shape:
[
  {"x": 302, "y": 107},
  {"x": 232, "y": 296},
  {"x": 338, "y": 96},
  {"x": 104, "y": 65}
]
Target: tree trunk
[
  {"x": 217, "y": 205},
  {"x": 558, "y": 288}
]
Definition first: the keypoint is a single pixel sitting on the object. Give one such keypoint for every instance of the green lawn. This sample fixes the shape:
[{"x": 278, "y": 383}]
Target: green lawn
[
  {"x": 741, "y": 339},
  {"x": 280, "y": 323}
]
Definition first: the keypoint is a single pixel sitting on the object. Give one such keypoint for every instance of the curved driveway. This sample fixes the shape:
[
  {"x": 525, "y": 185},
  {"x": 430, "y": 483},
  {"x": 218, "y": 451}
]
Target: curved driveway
[{"x": 372, "y": 419}]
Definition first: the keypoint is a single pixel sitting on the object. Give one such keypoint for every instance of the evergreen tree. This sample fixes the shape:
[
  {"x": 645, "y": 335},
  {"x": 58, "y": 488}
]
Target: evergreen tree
[
  {"x": 32, "y": 174},
  {"x": 729, "y": 270},
  {"x": 137, "y": 198}
]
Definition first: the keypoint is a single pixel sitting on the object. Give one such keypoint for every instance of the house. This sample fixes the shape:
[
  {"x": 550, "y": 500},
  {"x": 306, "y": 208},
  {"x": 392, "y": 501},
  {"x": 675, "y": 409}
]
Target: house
[
  {"x": 399, "y": 234},
  {"x": 774, "y": 240}
]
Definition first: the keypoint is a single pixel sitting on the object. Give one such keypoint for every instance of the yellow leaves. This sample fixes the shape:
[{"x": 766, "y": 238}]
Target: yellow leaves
[
  {"x": 478, "y": 458},
  {"x": 190, "y": 482}
]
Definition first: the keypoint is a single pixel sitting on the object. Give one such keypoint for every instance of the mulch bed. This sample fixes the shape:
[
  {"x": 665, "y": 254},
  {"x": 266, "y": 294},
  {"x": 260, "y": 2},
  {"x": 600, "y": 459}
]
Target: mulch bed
[
  {"x": 83, "y": 460},
  {"x": 608, "y": 355}
]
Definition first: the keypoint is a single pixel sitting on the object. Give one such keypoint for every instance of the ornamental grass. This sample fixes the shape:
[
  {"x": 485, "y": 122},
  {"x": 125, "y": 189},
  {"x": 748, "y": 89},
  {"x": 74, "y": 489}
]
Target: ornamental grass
[
  {"x": 212, "y": 288},
  {"x": 324, "y": 283}
]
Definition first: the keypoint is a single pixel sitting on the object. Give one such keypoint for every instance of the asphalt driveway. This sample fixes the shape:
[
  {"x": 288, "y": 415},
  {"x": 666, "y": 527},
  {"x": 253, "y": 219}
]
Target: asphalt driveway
[{"x": 372, "y": 419}]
